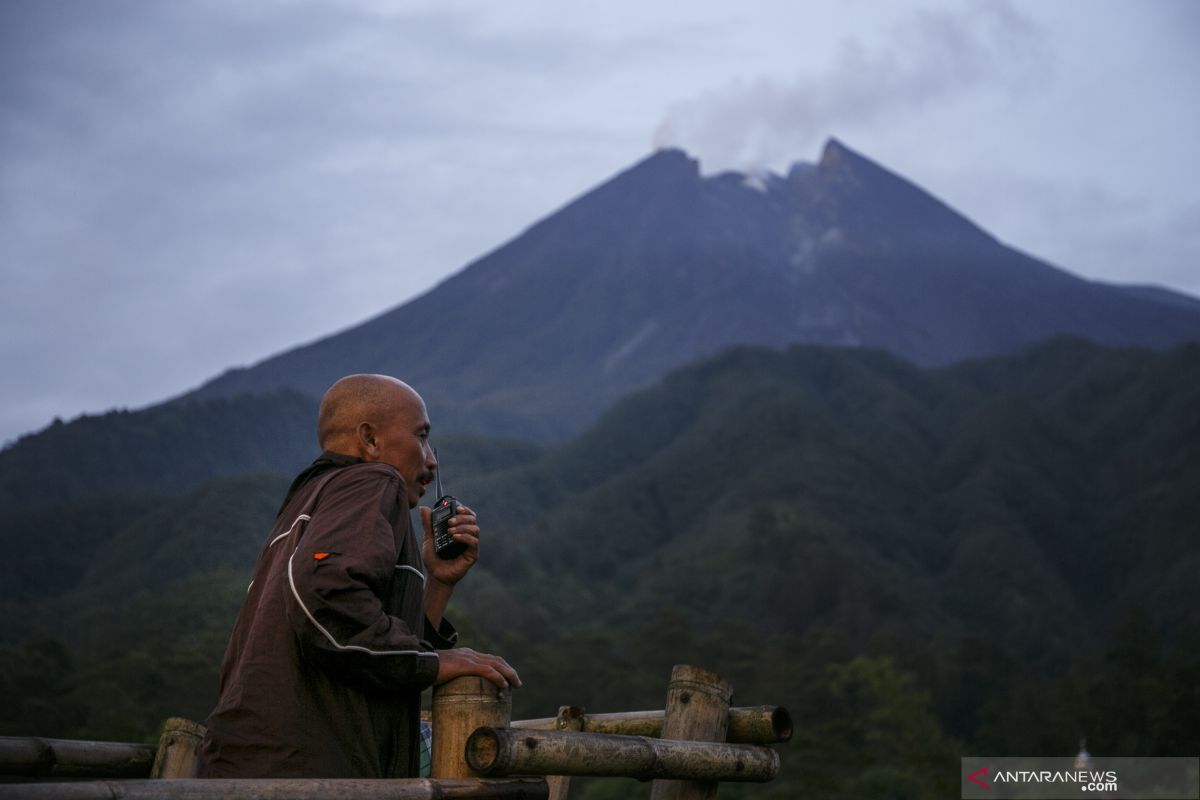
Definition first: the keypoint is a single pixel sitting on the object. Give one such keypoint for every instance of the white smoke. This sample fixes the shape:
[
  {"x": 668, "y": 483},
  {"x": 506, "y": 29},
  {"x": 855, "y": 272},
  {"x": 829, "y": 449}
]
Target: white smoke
[{"x": 932, "y": 56}]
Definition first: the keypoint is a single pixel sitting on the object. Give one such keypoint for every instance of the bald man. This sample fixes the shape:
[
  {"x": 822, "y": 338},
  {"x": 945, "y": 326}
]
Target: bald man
[{"x": 342, "y": 626}]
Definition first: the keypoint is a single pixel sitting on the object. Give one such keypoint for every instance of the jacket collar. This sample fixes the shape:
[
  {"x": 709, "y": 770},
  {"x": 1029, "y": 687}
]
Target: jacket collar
[{"x": 325, "y": 462}]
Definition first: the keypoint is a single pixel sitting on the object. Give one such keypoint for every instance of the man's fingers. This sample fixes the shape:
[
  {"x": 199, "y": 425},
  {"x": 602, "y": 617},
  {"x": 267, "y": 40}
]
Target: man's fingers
[
  {"x": 472, "y": 542},
  {"x": 501, "y": 674},
  {"x": 508, "y": 672},
  {"x": 464, "y": 521},
  {"x": 464, "y": 527},
  {"x": 465, "y": 661},
  {"x": 500, "y": 668}
]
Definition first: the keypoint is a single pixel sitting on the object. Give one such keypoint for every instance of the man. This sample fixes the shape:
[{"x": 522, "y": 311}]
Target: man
[{"x": 342, "y": 624}]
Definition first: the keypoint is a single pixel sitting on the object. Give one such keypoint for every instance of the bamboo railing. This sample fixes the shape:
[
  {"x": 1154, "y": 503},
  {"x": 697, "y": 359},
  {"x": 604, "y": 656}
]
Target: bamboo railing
[
  {"x": 282, "y": 789},
  {"x": 747, "y": 725},
  {"x": 686, "y": 749},
  {"x": 35, "y": 757},
  {"x": 500, "y": 752}
]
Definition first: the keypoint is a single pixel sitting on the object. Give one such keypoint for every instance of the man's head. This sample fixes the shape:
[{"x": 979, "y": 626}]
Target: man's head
[{"x": 378, "y": 418}]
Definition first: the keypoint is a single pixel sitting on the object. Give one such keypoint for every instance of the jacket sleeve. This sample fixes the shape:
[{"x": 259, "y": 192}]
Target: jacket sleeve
[{"x": 341, "y": 569}]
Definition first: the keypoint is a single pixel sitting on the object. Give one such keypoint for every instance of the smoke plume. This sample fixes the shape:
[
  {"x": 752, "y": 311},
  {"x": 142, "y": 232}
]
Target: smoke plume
[{"x": 933, "y": 56}]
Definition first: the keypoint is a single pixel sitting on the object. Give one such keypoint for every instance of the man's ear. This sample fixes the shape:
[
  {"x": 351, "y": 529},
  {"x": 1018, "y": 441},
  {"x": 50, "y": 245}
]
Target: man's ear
[{"x": 368, "y": 444}]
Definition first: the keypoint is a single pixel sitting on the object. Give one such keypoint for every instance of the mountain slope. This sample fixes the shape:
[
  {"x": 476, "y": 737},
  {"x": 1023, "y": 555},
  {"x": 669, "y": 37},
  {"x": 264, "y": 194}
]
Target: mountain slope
[
  {"x": 660, "y": 266},
  {"x": 855, "y": 491},
  {"x": 651, "y": 270}
]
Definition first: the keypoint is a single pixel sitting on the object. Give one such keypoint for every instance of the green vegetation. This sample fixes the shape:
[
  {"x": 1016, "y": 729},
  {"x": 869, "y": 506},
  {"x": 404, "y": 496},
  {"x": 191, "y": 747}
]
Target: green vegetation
[
  {"x": 165, "y": 449},
  {"x": 995, "y": 558}
]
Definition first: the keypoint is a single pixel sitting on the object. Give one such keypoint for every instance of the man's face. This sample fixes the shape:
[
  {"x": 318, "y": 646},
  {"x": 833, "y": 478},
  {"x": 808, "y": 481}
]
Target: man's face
[{"x": 404, "y": 444}]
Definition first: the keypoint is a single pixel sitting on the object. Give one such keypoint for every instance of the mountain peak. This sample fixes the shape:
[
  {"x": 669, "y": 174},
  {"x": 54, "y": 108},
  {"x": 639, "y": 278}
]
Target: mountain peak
[
  {"x": 885, "y": 206},
  {"x": 666, "y": 169},
  {"x": 838, "y": 158},
  {"x": 667, "y": 162},
  {"x": 834, "y": 153}
]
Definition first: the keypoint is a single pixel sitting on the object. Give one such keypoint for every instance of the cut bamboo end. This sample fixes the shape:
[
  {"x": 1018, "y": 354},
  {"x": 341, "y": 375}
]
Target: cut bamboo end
[
  {"x": 688, "y": 679},
  {"x": 460, "y": 706},
  {"x": 178, "y": 749},
  {"x": 766, "y": 724}
]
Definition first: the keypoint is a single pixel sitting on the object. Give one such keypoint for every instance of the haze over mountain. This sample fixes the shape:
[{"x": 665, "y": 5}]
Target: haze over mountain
[{"x": 662, "y": 265}]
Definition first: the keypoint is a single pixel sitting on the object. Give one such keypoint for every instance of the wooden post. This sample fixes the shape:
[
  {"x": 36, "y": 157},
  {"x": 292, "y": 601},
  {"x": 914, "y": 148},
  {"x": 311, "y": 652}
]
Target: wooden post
[
  {"x": 570, "y": 718},
  {"x": 697, "y": 710},
  {"x": 748, "y": 725},
  {"x": 279, "y": 789},
  {"x": 497, "y": 752},
  {"x": 459, "y": 707},
  {"x": 177, "y": 749}
]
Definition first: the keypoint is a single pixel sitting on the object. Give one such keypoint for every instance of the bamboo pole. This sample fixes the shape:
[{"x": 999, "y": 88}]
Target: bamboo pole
[
  {"x": 697, "y": 710},
  {"x": 747, "y": 725},
  {"x": 177, "y": 749},
  {"x": 33, "y": 756},
  {"x": 497, "y": 752},
  {"x": 280, "y": 789},
  {"x": 460, "y": 706},
  {"x": 570, "y": 718}
]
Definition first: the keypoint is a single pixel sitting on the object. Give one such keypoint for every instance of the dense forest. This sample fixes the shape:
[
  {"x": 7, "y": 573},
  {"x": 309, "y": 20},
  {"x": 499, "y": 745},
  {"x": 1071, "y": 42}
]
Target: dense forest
[{"x": 995, "y": 558}]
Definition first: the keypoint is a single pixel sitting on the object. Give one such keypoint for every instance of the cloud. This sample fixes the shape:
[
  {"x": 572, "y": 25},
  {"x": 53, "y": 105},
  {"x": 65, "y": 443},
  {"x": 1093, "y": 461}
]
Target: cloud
[
  {"x": 187, "y": 186},
  {"x": 933, "y": 56}
]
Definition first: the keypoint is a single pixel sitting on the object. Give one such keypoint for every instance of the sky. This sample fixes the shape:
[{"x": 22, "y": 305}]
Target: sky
[{"x": 193, "y": 185}]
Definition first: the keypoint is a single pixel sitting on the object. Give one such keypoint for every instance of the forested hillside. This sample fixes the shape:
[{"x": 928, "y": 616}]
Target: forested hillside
[
  {"x": 996, "y": 557},
  {"x": 164, "y": 449}
]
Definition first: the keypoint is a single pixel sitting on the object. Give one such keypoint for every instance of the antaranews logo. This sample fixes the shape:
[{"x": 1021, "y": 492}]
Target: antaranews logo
[
  {"x": 1053, "y": 778},
  {"x": 979, "y": 777},
  {"x": 1083, "y": 780}
]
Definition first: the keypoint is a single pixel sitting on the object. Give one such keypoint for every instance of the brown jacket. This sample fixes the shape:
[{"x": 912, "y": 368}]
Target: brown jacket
[{"x": 324, "y": 670}]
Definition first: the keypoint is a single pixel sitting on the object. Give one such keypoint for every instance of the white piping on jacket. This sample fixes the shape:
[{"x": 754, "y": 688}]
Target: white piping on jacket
[
  {"x": 270, "y": 544},
  {"x": 299, "y": 519},
  {"x": 329, "y": 636},
  {"x": 411, "y": 568}
]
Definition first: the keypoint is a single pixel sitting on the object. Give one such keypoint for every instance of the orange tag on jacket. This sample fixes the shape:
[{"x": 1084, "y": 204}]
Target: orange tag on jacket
[{"x": 320, "y": 556}]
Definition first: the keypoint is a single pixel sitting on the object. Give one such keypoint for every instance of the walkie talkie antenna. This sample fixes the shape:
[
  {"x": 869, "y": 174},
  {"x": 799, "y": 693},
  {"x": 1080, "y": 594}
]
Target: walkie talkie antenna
[
  {"x": 437, "y": 478},
  {"x": 444, "y": 508}
]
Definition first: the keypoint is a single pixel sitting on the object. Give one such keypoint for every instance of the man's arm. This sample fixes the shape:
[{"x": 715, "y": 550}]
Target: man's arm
[
  {"x": 441, "y": 577},
  {"x": 342, "y": 566}
]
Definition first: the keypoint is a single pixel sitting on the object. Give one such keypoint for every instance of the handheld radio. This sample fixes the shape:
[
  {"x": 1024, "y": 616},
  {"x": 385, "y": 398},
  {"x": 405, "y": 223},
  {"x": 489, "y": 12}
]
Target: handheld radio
[{"x": 443, "y": 509}]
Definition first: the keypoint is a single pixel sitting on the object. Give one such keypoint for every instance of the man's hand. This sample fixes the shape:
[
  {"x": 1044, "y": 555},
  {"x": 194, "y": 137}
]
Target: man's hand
[
  {"x": 464, "y": 528},
  {"x": 465, "y": 661}
]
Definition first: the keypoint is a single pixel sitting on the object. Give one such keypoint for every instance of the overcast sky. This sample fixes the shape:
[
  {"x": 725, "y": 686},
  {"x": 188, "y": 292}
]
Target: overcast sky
[{"x": 190, "y": 185}]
